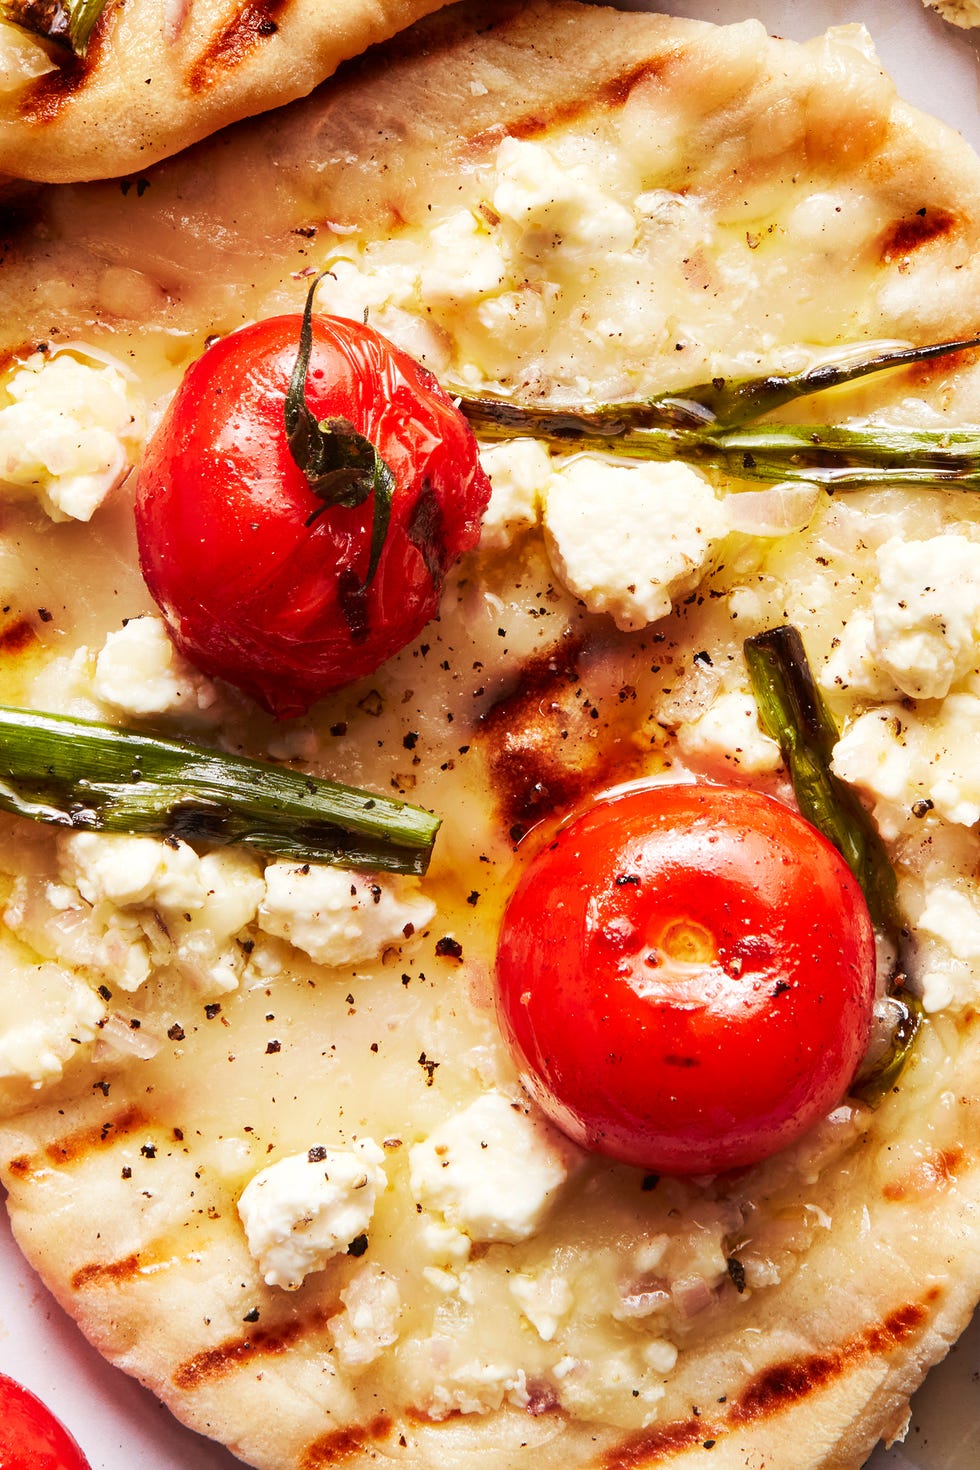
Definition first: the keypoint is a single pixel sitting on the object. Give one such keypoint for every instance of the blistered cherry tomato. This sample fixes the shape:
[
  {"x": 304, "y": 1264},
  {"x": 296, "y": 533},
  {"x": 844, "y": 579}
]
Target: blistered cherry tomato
[
  {"x": 30, "y": 1436},
  {"x": 257, "y": 580},
  {"x": 686, "y": 976}
]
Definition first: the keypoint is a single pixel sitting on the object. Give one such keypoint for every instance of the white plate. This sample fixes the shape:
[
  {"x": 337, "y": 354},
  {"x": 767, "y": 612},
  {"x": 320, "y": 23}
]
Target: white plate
[{"x": 118, "y": 1424}]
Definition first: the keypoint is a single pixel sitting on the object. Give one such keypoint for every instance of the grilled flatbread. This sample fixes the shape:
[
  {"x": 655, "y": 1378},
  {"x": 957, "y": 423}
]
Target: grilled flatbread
[
  {"x": 157, "y": 75},
  {"x": 568, "y": 201}
]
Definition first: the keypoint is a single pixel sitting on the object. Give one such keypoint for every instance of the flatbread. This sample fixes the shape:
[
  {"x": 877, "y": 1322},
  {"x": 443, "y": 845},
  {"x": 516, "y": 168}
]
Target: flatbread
[
  {"x": 158, "y": 75},
  {"x": 123, "y": 1176}
]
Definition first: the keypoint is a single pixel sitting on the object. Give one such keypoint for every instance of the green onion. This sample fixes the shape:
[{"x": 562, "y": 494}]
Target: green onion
[
  {"x": 68, "y": 22},
  {"x": 86, "y": 776},
  {"x": 705, "y": 425},
  {"x": 792, "y": 710},
  {"x": 874, "y": 1080}
]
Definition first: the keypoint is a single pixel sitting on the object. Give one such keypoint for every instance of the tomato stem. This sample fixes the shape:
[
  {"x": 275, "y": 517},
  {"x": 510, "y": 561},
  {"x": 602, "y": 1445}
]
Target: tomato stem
[
  {"x": 82, "y": 775},
  {"x": 341, "y": 465}
]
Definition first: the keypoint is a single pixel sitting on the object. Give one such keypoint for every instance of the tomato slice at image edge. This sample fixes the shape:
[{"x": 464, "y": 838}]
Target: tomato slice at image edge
[
  {"x": 686, "y": 975},
  {"x": 31, "y": 1438}
]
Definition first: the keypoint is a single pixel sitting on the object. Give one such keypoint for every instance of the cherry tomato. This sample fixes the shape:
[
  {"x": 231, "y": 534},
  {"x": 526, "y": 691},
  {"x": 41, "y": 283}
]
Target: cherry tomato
[
  {"x": 30, "y": 1436},
  {"x": 259, "y": 582},
  {"x": 686, "y": 975}
]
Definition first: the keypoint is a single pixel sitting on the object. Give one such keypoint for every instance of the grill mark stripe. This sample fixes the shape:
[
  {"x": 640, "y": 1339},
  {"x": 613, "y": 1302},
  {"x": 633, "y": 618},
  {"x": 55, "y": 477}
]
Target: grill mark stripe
[
  {"x": 775, "y": 1389},
  {"x": 610, "y": 96},
  {"x": 106, "y": 1273},
  {"x": 234, "y": 43},
  {"x": 217, "y": 1362},
  {"x": 75, "y": 1147},
  {"x": 48, "y": 95},
  {"x": 343, "y": 1445}
]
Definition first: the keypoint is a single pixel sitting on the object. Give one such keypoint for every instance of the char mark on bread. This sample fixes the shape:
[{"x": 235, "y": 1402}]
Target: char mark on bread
[{"x": 234, "y": 42}]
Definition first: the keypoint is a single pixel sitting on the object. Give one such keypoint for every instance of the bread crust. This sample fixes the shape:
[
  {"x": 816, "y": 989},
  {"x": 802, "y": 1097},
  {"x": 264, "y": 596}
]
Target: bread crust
[{"x": 158, "y": 76}]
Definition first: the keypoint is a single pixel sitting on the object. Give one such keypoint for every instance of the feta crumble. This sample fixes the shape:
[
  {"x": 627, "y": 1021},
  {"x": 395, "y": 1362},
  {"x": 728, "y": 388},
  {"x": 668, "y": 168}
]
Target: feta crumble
[
  {"x": 920, "y": 635},
  {"x": 69, "y": 433},
  {"x": 492, "y": 1170},
  {"x": 124, "y": 906},
  {"x": 305, "y": 1209},
  {"x": 629, "y": 540},
  {"x": 545, "y": 1301},
  {"x": 140, "y": 672},
  {"x": 339, "y": 917},
  {"x": 555, "y": 205},
  {"x": 728, "y": 735},
  {"x": 905, "y": 758},
  {"x": 63, "y": 1016},
  {"x": 964, "y": 13},
  {"x": 518, "y": 470},
  {"x": 369, "y": 1322}
]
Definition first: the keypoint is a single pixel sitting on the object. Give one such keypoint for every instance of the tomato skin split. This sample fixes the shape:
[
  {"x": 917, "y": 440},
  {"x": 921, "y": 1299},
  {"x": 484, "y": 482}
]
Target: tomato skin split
[
  {"x": 686, "y": 975},
  {"x": 31, "y": 1438},
  {"x": 252, "y": 589}
]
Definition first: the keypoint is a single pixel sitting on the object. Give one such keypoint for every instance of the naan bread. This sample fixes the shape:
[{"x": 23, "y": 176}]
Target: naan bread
[
  {"x": 790, "y": 203},
  {"x": 158, "y": 75}
]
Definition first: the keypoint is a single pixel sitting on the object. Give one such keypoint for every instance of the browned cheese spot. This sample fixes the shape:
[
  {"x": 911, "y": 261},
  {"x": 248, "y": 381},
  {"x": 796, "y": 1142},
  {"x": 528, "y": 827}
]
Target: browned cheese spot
[
  {"x": 17, "y": 637},
  {"x": 927, "y": 1177},
  {"x": 913, "y": 231},
  {"x": 544, "y": 746}
]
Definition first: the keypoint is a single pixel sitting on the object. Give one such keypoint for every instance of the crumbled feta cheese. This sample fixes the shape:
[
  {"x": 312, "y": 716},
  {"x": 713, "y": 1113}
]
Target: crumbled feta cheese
[
  {"x": 477, "y": 1386},
  {"x": 445, "y": 1243},
  {"x": 466, "y": 263},
  {"x": 129, "y": 870},
  {"x": 728, "y": 734},
  {"x": 518, "y": 470},
  {"x": 921, "y": 633},
  {"x": 492, "y": 1170},
  {"x": 128, "y": 904},
  {"x": 369, "y": 1322},
  {"x": 556, "y": 205},
  {"x": 628, "y": 540},
  {"x": 64, "y": 1015},
  {"x": 69, "y": 433},
  {"x": 951, "y": 914},
  {"x": 906, "y": 758},
  {"x": 340, "y": 917},
  {"x": 545, "y": 1300},
  {"x": 305, "y": 1209},
  {"x": 140, "y": 672},
  {"x": 964, "y": 13}
]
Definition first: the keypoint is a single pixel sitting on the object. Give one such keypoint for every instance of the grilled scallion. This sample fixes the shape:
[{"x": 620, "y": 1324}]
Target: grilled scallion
[
  {"x": 68, "y": 22},
  {"x": 82, "y": 775},
  {"x": 792, "y": 710},
  {"x": 706, "y": 425}
]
